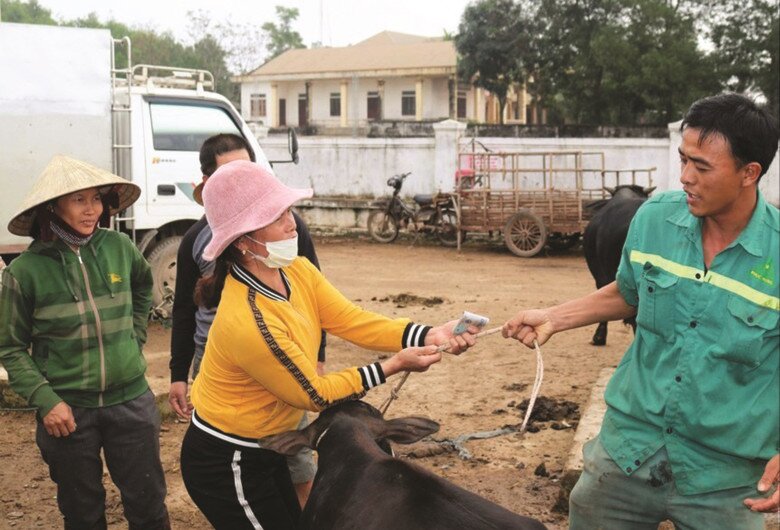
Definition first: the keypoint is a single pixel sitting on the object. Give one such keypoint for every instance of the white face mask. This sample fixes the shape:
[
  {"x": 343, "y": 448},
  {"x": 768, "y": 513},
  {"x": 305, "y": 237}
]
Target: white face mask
[{"x": 280, "y": 253}]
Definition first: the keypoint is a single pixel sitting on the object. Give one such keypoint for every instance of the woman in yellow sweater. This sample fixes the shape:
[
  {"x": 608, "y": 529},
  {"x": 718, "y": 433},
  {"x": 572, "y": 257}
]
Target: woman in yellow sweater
[{"x": 258, "y": 374}]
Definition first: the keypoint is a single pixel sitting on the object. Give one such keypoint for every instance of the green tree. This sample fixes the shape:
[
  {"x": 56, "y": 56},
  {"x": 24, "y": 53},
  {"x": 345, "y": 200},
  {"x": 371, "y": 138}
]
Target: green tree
[
  {"x": 671, "y": 70},
  {"x": 491, "y": 41},
  {"x": 281, "y": 37},
  {"x": 150, "y": 47},
  {"x": 746, "y": 40},
  {"x": 25, "y": 12},
  {"x": 243, "y": 43},
  {"x": 621, "y": 62}
]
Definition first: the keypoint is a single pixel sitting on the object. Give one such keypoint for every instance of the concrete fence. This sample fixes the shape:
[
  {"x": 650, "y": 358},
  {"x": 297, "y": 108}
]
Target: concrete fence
[{"x": 347, "y": 172}]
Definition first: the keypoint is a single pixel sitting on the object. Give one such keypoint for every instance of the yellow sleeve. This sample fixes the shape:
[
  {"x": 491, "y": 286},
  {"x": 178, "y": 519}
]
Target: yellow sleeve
[
  {"x": 273, "y": 359},
  {"x": 344, "y": 319}
]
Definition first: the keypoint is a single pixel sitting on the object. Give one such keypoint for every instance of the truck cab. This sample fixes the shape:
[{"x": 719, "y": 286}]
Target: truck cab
[{"x": 166, "y": 114}]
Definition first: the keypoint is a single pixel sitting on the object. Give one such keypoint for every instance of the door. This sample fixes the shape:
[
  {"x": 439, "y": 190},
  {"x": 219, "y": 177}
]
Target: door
[
  {"x": 303, "y": 111},
  {"x": 174, "y": 130},
  {"x": 282, "y": 112},
  {"x": 374, "y": 106}
]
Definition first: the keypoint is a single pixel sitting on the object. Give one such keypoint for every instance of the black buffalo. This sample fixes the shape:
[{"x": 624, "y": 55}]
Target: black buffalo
[
  {"x": 604, "y": 238},
  {"x": 359, "y": 485}
]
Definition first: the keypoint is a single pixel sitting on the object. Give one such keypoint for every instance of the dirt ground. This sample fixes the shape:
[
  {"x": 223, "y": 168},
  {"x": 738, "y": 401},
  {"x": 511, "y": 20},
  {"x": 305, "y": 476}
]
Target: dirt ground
[{"x": 478, "y": 391}]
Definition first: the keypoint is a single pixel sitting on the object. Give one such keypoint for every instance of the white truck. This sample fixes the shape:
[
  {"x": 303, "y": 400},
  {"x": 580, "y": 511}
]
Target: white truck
[{"x": 62, "y": 93}]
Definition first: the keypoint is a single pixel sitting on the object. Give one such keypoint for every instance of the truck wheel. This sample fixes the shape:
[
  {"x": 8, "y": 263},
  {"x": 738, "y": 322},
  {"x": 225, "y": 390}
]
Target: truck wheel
[
  {"x": 382, "y": 227},
  {"x": 525, "y": 234},
  {"x": 162, "y": 259}
]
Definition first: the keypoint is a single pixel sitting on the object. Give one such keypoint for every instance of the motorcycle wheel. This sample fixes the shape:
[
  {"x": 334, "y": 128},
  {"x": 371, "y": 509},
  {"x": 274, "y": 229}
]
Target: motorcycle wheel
[
  {"x": 382, "y": 227},
  {"x": 447, "y": 231}
]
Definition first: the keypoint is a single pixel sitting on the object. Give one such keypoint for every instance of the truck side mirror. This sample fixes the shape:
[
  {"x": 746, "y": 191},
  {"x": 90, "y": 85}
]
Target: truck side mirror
[
  {"x": 292, "y": 148},
  {"x": 292, "y": 145}
]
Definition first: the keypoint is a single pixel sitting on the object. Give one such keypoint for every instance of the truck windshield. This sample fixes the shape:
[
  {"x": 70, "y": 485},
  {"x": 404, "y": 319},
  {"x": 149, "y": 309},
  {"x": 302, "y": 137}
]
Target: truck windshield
[{"x": 183, "y": 127}]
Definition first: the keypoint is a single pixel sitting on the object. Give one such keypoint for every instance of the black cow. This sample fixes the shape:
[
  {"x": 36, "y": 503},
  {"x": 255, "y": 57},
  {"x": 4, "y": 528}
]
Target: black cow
[
  {"x": 604, "y": 238},
  {"x": 359, "y": 485}
]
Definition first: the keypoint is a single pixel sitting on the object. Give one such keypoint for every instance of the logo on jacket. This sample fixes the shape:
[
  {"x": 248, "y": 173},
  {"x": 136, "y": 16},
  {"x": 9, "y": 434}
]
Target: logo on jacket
[
  {"x": 765, "y": 272},
  {"x": 115, "y": 278}
]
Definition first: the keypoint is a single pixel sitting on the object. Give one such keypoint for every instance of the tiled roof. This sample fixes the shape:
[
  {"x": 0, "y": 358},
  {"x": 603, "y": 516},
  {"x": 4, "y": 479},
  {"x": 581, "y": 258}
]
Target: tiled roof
[{"x": 382, "y": 52}]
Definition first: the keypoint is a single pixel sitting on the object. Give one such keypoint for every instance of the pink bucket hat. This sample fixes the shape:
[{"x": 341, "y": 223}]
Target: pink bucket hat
[{"x": 241, "y": 197}]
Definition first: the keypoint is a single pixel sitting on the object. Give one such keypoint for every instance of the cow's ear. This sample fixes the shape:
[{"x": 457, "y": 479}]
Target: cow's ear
[
  {"x": 409, "y": 430},
  {"x": 287, "y": 443}
]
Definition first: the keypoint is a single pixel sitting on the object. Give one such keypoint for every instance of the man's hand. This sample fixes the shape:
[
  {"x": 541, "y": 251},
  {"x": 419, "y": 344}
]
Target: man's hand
[
  {"x": 770, "y": 477},
  {"x": 59, "y": 422},
  {"x": 177, "y": 397},
  {"x": 529, "y": 325},
  {"x": 441, "y": 335},
  {"x": 320, "y": 368}
]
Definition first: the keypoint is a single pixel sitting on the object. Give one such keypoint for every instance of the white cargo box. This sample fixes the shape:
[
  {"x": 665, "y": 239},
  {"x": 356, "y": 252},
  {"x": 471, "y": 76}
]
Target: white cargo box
[{"x": 55, "y": 97}]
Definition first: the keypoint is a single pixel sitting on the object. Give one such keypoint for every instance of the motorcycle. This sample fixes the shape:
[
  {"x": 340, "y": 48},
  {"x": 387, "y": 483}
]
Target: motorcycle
[{"x": 429, "y": 213}]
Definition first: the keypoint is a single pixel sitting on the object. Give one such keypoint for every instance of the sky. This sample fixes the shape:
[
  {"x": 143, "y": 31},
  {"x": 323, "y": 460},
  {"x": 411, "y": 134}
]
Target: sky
[{"x": 331, "y": 22}]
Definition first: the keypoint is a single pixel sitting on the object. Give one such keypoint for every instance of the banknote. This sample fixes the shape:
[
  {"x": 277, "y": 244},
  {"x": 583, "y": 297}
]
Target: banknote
[{"x": 470, "y": 319}]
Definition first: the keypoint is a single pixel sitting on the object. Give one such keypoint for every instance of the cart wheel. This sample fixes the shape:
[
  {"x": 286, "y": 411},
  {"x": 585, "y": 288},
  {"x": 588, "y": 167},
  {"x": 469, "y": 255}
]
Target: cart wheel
[
  {"x": 382, "y": 227},
  {"x": 525, "y": 234}
]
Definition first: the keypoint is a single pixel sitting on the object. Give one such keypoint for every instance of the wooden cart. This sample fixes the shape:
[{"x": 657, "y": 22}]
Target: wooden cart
[{"x": 534, "y": 198}]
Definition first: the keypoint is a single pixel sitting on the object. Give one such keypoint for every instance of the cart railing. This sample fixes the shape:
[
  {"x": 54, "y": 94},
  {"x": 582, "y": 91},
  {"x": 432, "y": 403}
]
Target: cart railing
[{"x": 555, "y": 187}]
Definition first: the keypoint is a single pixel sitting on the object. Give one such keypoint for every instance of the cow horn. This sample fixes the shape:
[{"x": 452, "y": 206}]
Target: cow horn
[
  {"x": 611, "y": 191},
  {"x": 649, "y": 190}
]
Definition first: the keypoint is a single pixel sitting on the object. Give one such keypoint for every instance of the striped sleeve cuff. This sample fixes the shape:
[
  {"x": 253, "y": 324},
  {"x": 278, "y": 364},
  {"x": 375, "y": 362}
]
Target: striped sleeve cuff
[
  {"x": 414, "y": 335},
  {"x": 371, "y": 375}
]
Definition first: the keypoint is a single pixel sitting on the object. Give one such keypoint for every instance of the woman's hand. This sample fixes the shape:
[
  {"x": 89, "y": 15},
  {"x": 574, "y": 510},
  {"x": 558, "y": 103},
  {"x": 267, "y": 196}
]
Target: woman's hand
[
  {"x": 59, "y": 422},
  {"x": 441, "y": 335},
  {"x": 411, "y": 360}
]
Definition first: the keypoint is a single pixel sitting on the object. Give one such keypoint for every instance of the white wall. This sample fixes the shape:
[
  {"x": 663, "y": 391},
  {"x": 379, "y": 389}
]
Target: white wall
[
  {"x": 352, "y": 167},
  {"x": 320, "y": 102},
  {"x": 435, "y": 99}
]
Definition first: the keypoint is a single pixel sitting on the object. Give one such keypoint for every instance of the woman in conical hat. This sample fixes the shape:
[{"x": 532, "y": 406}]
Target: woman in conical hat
[{"x": 78, "y": 299}]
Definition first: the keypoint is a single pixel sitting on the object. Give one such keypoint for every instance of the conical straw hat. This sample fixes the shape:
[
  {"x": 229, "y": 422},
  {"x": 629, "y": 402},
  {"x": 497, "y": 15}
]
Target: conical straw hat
[{"x": 66, "y": 175}]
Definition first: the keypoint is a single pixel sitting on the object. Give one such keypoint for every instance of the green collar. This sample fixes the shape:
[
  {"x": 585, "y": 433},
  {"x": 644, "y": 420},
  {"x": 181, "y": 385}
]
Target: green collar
[{"x": 750, "y": 238}]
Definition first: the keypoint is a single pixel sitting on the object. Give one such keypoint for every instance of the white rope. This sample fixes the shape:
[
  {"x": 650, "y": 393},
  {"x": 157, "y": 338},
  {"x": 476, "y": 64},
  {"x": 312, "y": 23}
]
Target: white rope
[{"x": 536, "y": 388}]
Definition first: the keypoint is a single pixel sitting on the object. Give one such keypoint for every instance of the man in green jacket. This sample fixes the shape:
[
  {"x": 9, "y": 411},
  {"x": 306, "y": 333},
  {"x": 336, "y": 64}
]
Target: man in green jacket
[
  {"x": 79, "y": 299},
  {"x": 692, "y": 428}
]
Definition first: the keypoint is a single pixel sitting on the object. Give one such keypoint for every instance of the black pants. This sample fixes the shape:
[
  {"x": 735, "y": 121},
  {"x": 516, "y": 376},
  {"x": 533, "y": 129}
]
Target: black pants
[
  {"x": 238, "y": 487},
  {"x": 129, "y": 435}
]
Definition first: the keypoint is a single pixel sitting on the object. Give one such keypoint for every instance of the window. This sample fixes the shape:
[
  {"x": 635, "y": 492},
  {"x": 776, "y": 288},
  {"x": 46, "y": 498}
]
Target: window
[
  {"x": 408, "y": 103},
  {"x": 461, "y": 103},
  {"x": 257, "y": 106},
  {"x": 335, "y": 104},
  {"x": 184, "y": 127}
]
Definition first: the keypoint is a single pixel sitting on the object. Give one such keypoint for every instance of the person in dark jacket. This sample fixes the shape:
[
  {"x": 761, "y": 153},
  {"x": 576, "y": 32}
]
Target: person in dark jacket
[
  {"x": 79, "y": 298},
  {"x": 191, "y": 323}
]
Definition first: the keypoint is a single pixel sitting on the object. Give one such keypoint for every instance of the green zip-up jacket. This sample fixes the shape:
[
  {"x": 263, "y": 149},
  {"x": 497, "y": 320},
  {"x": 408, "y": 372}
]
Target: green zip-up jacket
[{"x": 72, "y": 325}]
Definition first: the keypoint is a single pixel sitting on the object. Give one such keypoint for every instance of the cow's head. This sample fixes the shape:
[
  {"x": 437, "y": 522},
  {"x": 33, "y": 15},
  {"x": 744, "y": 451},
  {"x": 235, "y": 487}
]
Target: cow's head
[
  {"x": 630, "y": 190},
  {"x": 400, "y": 430}
]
